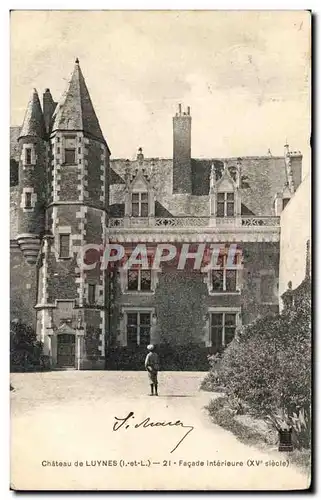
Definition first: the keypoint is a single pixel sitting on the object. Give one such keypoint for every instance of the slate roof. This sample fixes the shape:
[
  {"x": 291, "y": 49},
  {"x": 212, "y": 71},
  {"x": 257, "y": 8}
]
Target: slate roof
[
  {"x": 33, "y": 123},
  {"x": 14, "y": 146},
  {"x": 75, "y": 111}
]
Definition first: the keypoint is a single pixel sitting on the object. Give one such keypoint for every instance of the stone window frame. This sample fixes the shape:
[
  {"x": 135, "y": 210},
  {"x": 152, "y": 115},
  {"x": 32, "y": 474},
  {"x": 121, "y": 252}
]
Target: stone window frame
[
  {"x": 95, "y": 290},
  {"x": 139, "y": 280},
  {"x": 28, "y": 199},
  {"x": 63, "y": 147},
  {"x": 139, "y": 186},
  {"x": 221, "y": 310},
  {"x": 23, "y": 156},
  {"x": 123, "y": 322},
  {"x": 33, "y": 200},
  {"x": 238, "y": 269},
  {"x": 269, "y": 272},
  {"x": 99, "y": 293},
  {"x": 227, "y": 185},
  {"x": 123, "y": 274},
  {"x": 140, "y": 203},
  {"x": 226, "y": 192},
  {"x": 57, "y": 305}
]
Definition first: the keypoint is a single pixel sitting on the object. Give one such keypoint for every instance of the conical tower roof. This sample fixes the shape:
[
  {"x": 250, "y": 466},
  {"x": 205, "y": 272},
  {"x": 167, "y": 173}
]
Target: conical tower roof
[
  {"x": 33, "y": 123},
  {"x": 75, "y": 110}
]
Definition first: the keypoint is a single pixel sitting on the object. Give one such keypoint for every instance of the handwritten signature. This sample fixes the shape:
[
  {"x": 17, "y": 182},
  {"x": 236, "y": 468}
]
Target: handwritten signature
[{"x": 124, "y": 423}]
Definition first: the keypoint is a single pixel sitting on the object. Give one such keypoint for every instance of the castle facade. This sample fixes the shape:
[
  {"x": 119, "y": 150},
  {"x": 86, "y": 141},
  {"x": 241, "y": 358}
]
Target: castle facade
[{"x": 67, "y": 192}]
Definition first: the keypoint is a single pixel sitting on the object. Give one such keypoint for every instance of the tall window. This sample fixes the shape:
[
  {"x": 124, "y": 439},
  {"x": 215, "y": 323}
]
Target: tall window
[
  {"x": 285, "y": 201},
  {"x": 138, "y": 328},
  {"x": 139, "y": 280},
  {"x": 224, "y": 279},
  {"x": 140, "y": 204},
  {"x": 91, "y": 293},
  {"x": 70, "y": 156},
  {"x": 267, "y": 288},
  {"x": 225, "y": 205},
  {"x": 64, "y": 246},
  {"x": 28, "y": 156},
  {"x": 223, "y": 327},
  {"x": 28, "y": 200}
]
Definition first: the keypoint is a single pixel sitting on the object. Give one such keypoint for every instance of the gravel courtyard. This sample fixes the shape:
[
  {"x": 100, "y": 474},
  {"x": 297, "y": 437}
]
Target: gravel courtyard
[{"x": 62, "y": 419}]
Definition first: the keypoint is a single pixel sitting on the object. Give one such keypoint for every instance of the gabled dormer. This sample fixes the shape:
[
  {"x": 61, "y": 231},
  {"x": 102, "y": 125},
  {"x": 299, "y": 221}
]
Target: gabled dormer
[
  {"x": 140, "y": 194},
  {"x": 225, "y": 199}
]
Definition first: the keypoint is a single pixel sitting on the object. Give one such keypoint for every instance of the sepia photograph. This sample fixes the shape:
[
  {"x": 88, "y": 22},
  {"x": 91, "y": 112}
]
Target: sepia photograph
[{"x": 160, "y": 250}]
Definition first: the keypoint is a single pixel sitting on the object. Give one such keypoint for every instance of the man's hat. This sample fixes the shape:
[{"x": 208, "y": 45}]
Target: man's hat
[{"x": 150, "y": 347}]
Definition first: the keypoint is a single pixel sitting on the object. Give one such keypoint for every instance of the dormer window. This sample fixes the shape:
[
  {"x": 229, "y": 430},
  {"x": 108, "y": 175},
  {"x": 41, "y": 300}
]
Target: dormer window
[
  {"x": 28, "y": 199},
  {"x": 225, "y": 204},
  {"x": 140, "y": 204}
]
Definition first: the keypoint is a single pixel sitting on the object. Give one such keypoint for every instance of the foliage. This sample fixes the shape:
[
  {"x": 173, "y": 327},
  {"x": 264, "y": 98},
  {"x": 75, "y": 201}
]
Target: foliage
[
  {"x": 300, "y": 423},
  {"x": 25, "y": 350},
  {"x": 301, "y": 426},
  {"x": 211, "y": 382},
  {"x": 268, "y": 367},
  {"x": 222, "y": 414}
]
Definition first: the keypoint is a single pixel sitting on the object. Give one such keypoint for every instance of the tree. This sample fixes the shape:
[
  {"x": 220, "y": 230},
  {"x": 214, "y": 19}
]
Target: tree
[{"x": 25, "y": 349}]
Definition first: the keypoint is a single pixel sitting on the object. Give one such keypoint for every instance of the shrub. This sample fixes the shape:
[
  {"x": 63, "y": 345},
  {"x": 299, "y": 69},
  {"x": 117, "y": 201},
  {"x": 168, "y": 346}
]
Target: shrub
[{"x": 211, "y": 382}]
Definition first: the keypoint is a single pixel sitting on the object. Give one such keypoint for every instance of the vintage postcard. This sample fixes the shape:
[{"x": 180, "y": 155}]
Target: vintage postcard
[{"x": 160, "y": 324}]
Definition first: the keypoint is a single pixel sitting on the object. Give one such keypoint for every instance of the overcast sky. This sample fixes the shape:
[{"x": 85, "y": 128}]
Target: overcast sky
[{"x": 244, "y": 74}]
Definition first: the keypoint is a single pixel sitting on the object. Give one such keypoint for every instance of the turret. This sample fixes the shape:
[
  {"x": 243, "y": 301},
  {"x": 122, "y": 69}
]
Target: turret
[
  {"x": 182, "y": 169},
  {"x": 32, "y": 178}
]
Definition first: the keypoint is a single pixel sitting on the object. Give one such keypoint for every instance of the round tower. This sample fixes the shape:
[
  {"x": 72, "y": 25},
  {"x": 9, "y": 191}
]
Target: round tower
[{"x": 32, "y": 180}]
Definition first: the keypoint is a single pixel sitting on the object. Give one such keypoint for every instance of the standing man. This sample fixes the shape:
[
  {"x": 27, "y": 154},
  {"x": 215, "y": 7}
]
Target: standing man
[{"x": 152, "y": 367}]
